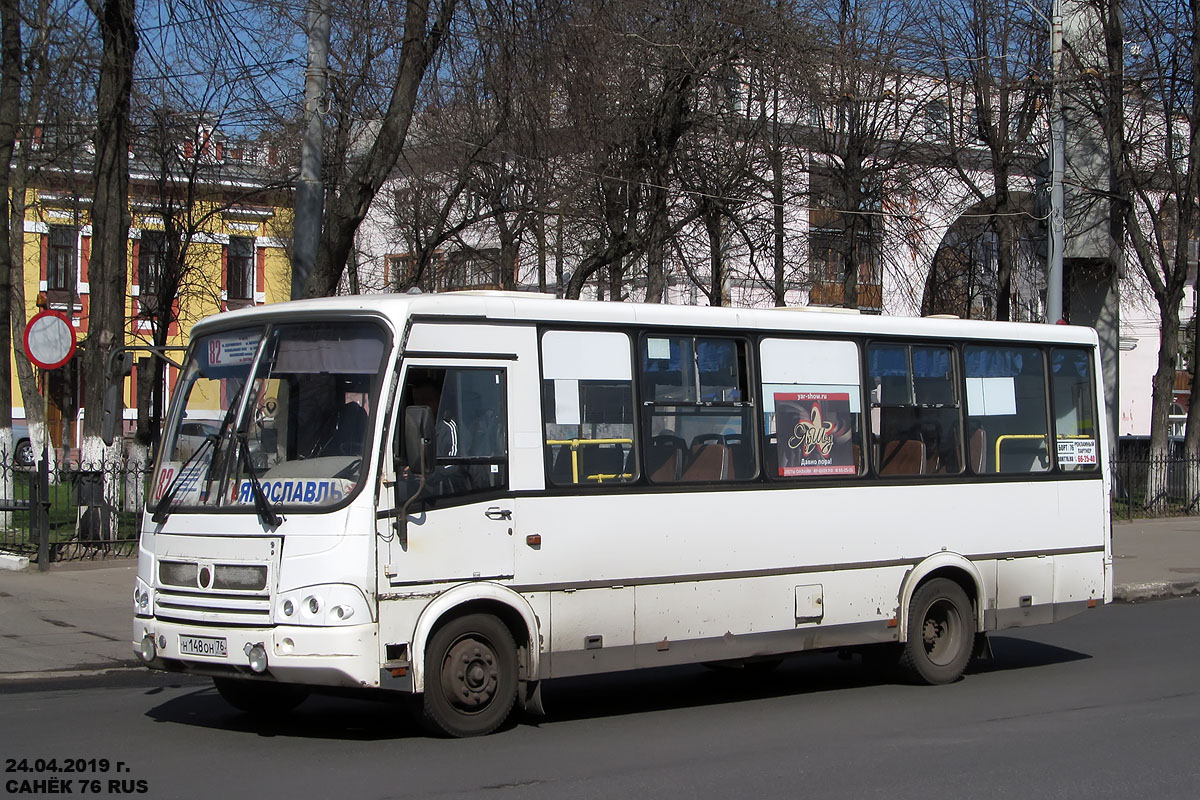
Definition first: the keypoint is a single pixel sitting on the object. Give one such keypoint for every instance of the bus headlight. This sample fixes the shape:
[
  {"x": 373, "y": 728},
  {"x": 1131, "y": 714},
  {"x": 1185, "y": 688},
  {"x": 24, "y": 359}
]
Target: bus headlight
[
  {"x": 141, "y": 598},
  {"x": 326, "y": 604}
]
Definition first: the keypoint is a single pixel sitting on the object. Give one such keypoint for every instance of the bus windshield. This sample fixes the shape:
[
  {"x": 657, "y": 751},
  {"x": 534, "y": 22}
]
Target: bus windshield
[{"x": 290, "y": 406}]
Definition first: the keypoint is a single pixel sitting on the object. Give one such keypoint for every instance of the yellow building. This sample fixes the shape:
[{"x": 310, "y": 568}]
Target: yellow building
[{"x": 234, "y": 242}]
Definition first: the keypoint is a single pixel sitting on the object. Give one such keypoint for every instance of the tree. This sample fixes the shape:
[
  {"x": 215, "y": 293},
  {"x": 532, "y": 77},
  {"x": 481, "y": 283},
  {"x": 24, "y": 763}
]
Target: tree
[
  {"x": 1158, "y": 165},
  {"x": 10, "y": 113},
  {"x": 993, "y": 62},
  {"x": 46, "y": 96},
  {"x": 863, "y": 102},
  {"x": 110, "y": 207},
  {"x": 372, "y": 154}
]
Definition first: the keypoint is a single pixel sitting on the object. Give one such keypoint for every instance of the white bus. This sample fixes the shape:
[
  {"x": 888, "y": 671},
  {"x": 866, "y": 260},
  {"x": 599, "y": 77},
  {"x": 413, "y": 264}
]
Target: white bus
[{"x": 459, "y": 496}]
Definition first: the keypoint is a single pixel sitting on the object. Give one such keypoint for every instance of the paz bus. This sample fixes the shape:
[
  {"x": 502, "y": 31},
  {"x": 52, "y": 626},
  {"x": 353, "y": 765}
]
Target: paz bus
[{"x": 460, "y": 496}]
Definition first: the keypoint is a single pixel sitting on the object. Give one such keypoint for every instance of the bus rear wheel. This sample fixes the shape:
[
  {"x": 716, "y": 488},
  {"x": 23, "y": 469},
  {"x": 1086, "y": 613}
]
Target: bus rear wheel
[
  {"x": 259, "y": 698},
  {"x": 470, "y": 676},
  {"x": 941, "y": 633}
]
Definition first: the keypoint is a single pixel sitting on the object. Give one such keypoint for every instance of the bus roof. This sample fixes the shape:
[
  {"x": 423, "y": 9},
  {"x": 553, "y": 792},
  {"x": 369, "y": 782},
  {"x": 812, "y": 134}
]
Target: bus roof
[{"x": 522, "y": 306}]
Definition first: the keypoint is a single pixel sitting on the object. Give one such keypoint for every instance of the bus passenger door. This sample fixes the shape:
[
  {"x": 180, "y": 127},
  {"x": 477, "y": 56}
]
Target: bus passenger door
[{"x": 460, "y": 522}]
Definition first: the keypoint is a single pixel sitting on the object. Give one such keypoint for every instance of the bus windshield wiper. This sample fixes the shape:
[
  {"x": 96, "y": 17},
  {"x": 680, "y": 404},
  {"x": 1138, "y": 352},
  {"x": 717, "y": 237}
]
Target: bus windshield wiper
[
  {"x": 166, "y": 503},
  {"x": 261, "y": 505}
]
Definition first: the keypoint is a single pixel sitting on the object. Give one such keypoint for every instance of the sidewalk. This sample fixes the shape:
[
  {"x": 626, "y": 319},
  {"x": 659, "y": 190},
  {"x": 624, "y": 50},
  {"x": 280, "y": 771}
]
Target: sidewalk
[{"x": 78, "y": 618}]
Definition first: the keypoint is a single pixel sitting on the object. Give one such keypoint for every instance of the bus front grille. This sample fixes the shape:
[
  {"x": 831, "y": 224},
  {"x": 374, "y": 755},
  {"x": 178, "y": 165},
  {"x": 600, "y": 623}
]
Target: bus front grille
[{"x": 213, "y": 607}]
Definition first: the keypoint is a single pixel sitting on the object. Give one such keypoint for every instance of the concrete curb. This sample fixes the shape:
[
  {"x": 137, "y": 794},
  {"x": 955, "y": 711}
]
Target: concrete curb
[
  {"x": 1154, "y": 590},
  {"x": 12, "y": 561}
]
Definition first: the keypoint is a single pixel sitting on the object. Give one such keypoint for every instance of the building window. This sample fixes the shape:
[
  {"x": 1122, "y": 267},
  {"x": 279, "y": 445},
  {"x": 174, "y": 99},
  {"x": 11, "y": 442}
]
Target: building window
[
  {"x": 239, "y": 266},
  {"x": 152, "y": 254},
  {"x": 61, "y": 258},
  {"x": 937, "y": 121},
  {"x": 838, "y": 237}
]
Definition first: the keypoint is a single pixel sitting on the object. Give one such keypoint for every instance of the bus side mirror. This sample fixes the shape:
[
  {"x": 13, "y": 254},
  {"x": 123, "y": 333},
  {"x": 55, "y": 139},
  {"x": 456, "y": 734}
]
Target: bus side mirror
[
  {"x": 419, "y": 439},
  {"x": 120, "y": 366}
]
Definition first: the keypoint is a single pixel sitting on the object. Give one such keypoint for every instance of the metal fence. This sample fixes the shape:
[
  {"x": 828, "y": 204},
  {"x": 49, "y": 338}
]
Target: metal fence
[
  {"x": 82, "y": 511},
  {"x": 1156, "y": 487}
]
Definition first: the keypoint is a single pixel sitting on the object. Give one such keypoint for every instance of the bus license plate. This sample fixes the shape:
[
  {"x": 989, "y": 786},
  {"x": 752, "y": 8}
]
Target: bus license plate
[{"x": 202, "y": 646}]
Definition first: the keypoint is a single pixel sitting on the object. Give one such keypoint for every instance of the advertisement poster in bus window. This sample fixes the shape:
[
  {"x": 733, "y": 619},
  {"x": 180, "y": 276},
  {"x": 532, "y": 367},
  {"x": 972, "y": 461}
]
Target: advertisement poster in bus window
[{"x": 814, "y": 433}]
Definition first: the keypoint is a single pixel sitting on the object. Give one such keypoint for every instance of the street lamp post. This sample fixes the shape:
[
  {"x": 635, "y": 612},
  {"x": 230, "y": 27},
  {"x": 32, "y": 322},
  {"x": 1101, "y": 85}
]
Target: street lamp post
[{"x": 1058, "y": 159}]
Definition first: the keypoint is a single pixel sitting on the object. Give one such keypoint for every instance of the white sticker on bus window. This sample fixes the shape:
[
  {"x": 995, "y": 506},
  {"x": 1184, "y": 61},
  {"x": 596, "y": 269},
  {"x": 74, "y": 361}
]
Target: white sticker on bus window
[
  {"x": 658, "y": 348},
  {"x": 186, "y": 486},
  {"x": 991, "y": 396},
  {"x": 1078, "y": 452},
  {"x": 566, "y": 402},
  {"x": 230, "y": 351},
  {"x": 586, "y": 355}
]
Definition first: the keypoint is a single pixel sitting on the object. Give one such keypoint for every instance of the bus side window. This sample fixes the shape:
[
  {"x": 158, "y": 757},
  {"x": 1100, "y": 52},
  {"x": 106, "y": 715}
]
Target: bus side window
[
  {"x": 916, "y": 420},
  {"x": 470, "y": 429},
  {"x": 587, "y": 398},
  {"x": 1006, "y": 400},
  {"x": 697, "y": 409},
  {"x": 1074, "y": 390},
  {"x": 811, "y": 408}
]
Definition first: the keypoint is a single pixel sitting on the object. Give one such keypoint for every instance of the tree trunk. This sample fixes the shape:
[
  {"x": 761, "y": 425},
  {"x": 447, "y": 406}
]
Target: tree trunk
[
  {"x": 347, "y": 208},
  {"x": 1002, "y": 224},
  {"x": 656, "y": 250},
  {"x": 712, "y": 226},
  {"x": 110, "y": 213},
  {"x": 108, "y": 272},
  {"x": 10, "y": 112},
  {"x": 1160, "y": 405}
]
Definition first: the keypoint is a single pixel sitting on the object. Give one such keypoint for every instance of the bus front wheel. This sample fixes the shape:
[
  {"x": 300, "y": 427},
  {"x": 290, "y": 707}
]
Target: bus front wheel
[
  {"x": 941, "y": 633},
  {"x": 470, "y": 676}
]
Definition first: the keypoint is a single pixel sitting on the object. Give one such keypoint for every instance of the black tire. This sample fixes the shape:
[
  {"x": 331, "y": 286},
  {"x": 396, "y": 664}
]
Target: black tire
[
  {"x": 470, "y": 676},
  {"x": 23, "y": 455},
  {"x": 941, "y": 633},
  {"x": 260, "y": 698}
]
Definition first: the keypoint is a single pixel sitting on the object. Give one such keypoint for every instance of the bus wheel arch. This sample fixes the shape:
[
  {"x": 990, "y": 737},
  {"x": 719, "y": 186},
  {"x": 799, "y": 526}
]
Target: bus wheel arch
[
  {"x": 489, "y": 599},
  {"x": 472, "y": 676},
  {"x": 951, "y": 566},
  {"x": 940, "y": 620}
]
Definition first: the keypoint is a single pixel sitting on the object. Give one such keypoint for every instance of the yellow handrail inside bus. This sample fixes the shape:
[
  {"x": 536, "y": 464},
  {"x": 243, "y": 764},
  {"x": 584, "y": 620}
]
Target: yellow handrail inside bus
[
  {"x": 575, "y": 444},
  {"x": 1001, "y": 439}
]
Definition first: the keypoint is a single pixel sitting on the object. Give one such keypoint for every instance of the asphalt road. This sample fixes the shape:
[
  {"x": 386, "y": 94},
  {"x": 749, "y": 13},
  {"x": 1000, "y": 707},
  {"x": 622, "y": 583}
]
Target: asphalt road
[{"x": 1103, "y": 705}]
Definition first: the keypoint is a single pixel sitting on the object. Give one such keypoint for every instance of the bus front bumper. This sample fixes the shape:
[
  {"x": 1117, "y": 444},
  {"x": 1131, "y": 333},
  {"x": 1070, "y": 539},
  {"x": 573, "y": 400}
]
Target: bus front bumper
[{"x": 344, "y": 656}]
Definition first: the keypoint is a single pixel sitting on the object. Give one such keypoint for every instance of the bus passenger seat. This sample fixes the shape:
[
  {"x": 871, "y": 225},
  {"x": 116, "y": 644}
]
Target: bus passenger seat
[
  {"x": 664, "y": 458},
  {"x": 709, "y": 462},
  {"x": 903, "y": 457},
  {"x": 977, "y": 451}
]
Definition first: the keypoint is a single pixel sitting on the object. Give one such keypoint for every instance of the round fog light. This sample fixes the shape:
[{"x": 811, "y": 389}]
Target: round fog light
[
  {"x": 258, "y": 658},
  {"x": 147, "y": 650}
]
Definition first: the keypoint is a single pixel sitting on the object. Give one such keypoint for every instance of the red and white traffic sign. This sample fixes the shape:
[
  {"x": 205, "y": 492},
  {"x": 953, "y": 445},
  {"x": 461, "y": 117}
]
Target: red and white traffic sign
[{"x": 49, "y": 340}]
